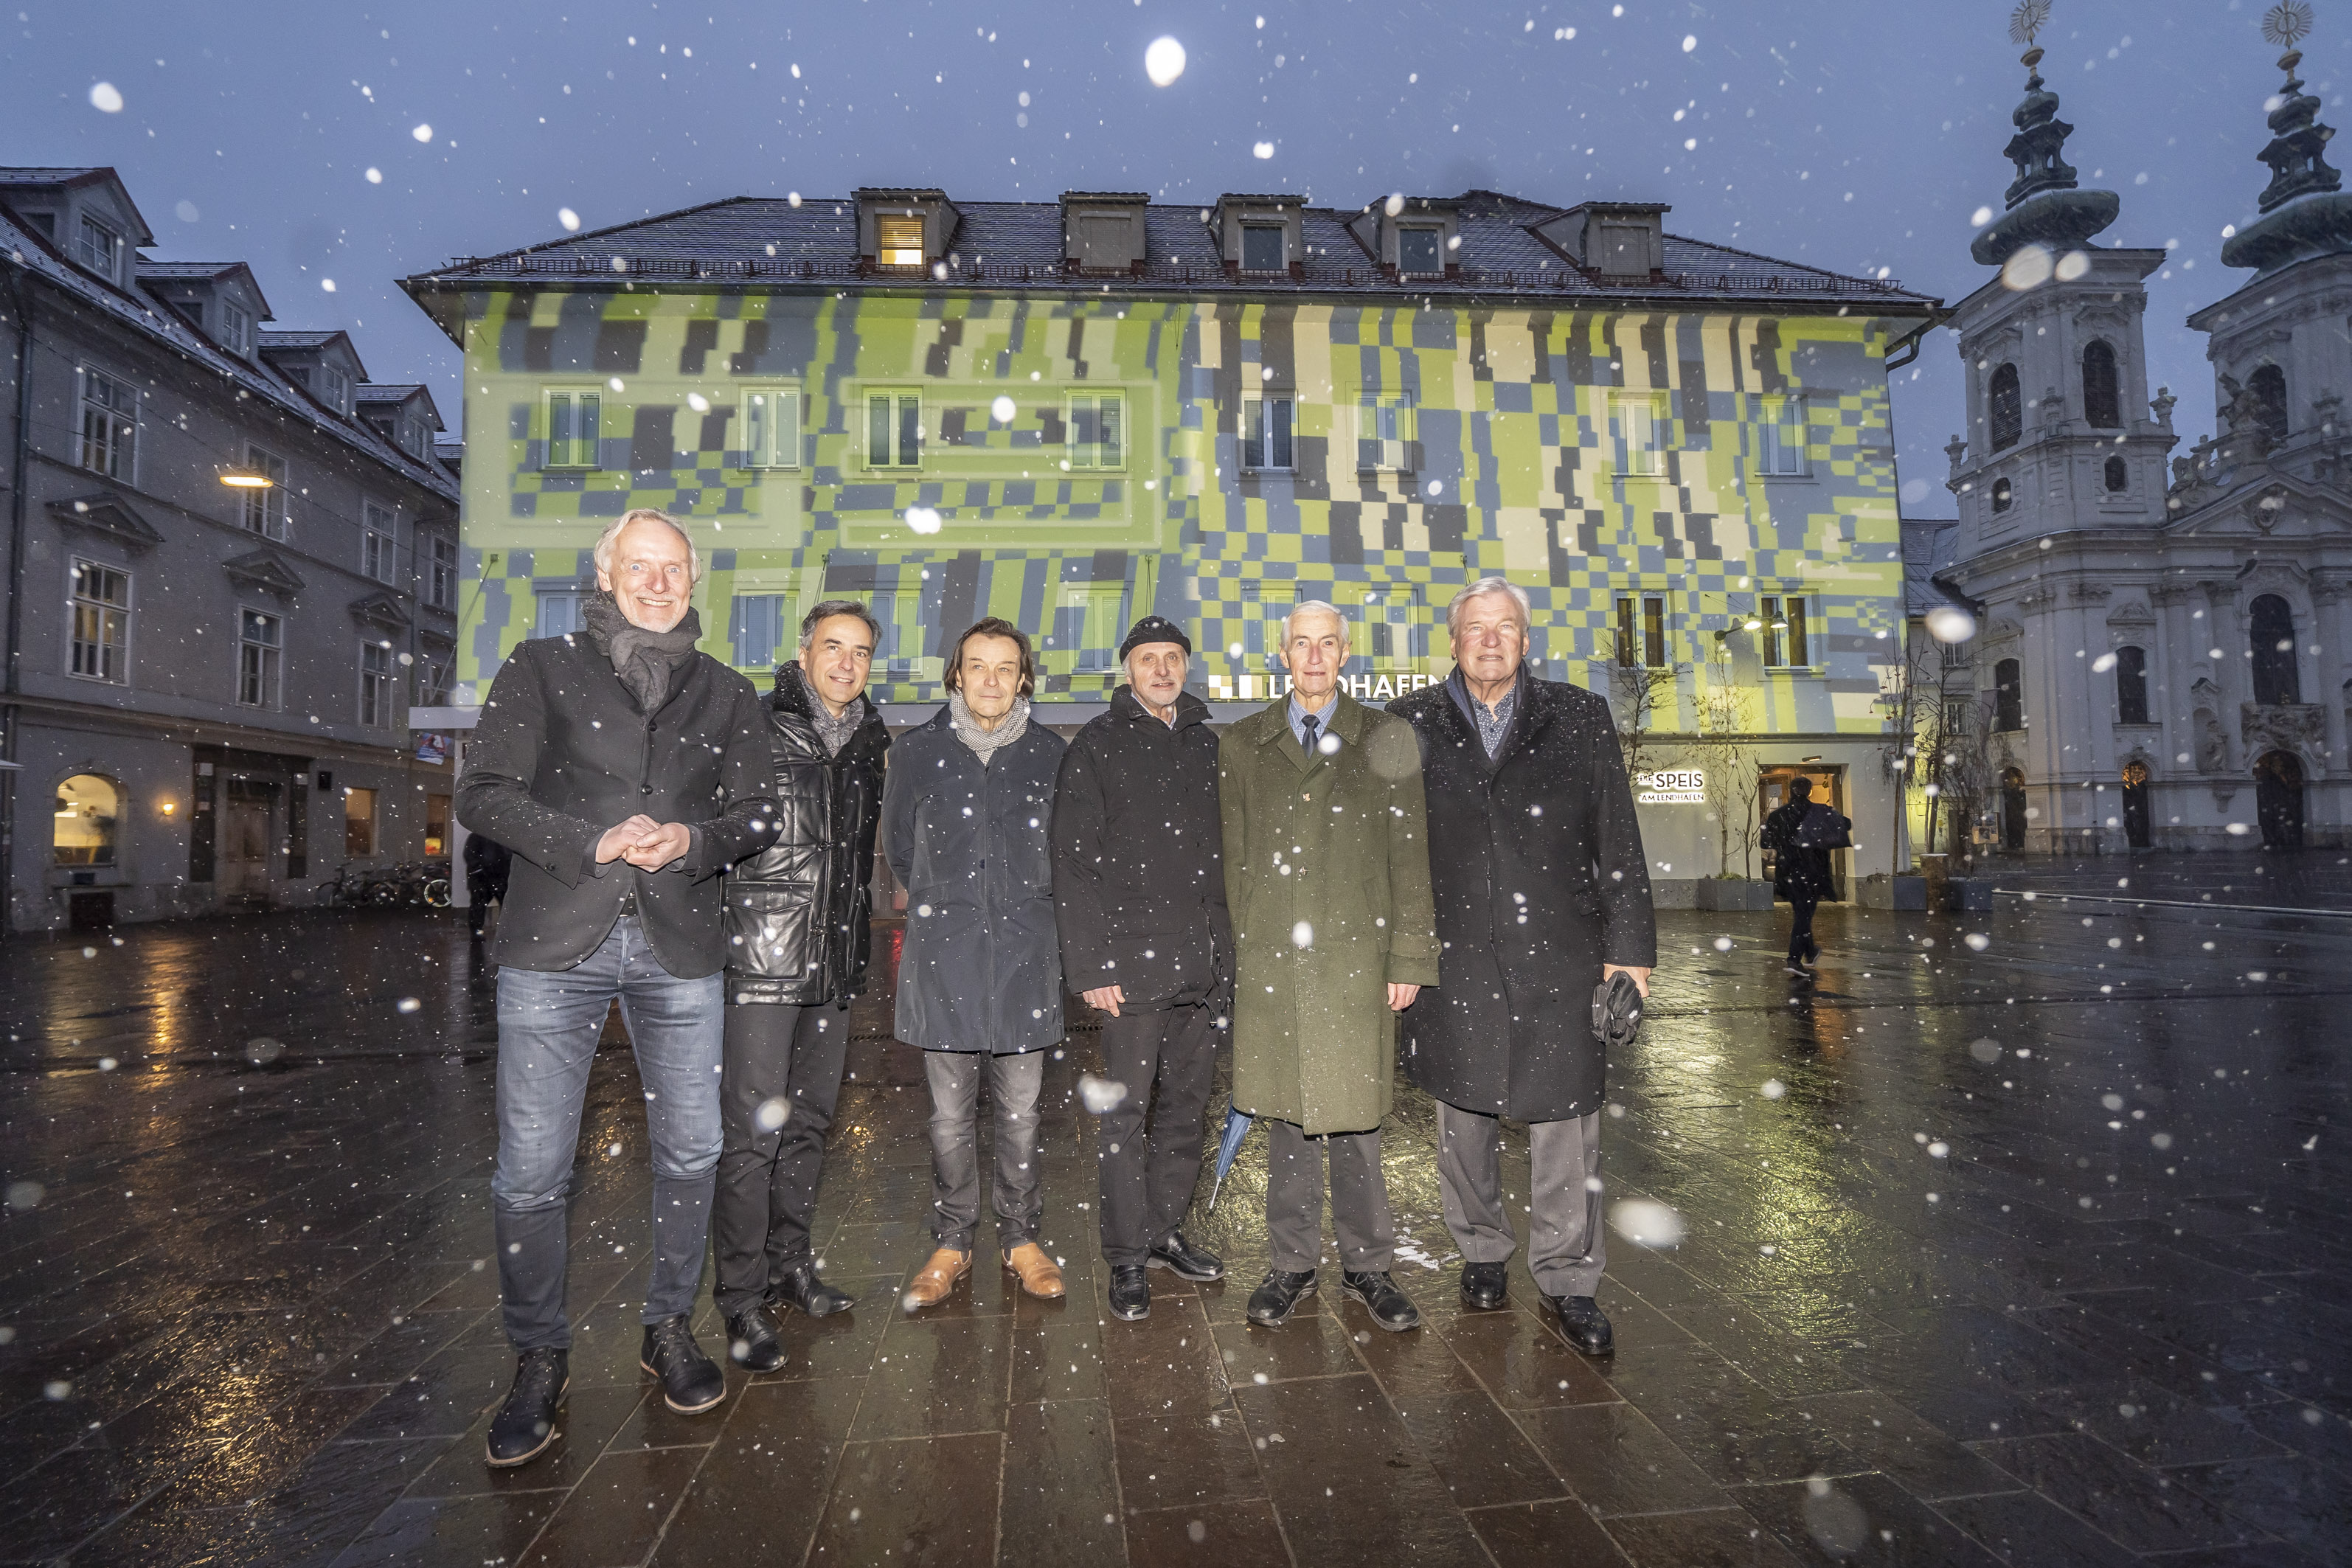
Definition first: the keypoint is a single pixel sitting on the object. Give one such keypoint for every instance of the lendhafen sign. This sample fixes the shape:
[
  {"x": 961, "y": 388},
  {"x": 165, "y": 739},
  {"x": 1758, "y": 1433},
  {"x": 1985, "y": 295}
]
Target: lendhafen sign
[
  {"x": 1362, "y": 687},
  {"x": 1673, "y": 786}
]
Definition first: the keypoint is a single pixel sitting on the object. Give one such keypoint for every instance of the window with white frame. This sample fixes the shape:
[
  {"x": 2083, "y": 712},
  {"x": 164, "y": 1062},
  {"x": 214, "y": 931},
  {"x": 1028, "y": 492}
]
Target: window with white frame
[
  {"x": 1097, "y": 431},
  {"x": 375, "y": 683},
  {"x": 102, "y": 622},
  {"x": 901, "y": 652},
  {"x": 771, "y": 428},
  {"x": 894, "y": 430},
  {"x": 1784, "y": 631},
  {"x": 1641, "y": 432},
  {"x": 1384, "y": 436},
  {"x": 756, "y": 627},
  {"x": 235, "y": 326},
  {"x": 1266, "y": 432},
  {"x": 110, "y": 426},
  {"x": 379, "y": 543},
  {"x": 1085, "y": 623},
  {"x": 1262, "y": 248},
  {"x": 1781, "y": 436},
  {"x": 559, "y": 613},
  {"x": 433, "y": 680},
  {"x": 265, "y": 510},
  {"x": 99, "y": 248},
  {"x": 574, "y": 427},
  {"x": 1385, "y": 630},
  {"x": 1420, "y": 252},
  {"x": 260, "y": 653},
  {"x": 334, "y": 389},
  {"x": 441, "y": 571}
]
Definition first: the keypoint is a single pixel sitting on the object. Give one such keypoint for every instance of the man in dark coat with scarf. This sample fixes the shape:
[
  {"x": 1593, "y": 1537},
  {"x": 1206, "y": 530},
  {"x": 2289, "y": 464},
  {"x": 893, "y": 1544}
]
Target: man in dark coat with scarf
[
  {"x": 626, "y": 770},
  {"x": 1800, "y": 835},
  {"x": 799, "y": 928},
  {"x": 1139, "y": 894},
  {"x": 1541, "y": 893}
]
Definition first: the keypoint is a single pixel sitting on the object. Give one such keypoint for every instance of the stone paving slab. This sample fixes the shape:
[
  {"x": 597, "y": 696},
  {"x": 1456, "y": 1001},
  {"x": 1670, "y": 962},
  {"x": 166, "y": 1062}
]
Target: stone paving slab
[{"x": 2019, "y": 1237}]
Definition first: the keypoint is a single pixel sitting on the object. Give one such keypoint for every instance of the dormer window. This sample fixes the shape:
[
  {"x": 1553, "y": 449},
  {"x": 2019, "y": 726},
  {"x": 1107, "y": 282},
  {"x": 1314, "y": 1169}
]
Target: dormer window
[
  {"x": 1421, "y": 251},
  {"x": 1262, "y": 247},
  {"x": 898, "y": 241},
  {"x": 235, "y": 327},
  {"x": 99, "y": 248},
  {"x": 334, "y": 389}
]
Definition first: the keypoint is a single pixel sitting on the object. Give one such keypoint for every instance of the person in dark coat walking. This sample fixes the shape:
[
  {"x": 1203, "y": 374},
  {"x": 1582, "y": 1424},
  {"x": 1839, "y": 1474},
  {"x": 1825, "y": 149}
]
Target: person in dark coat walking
[
  {"x": 1139, "y": 894},
  {"x": 799, "y": 928},
  {"x": 488, "y": 863},
  {"x": 1541, "y": 892},
  {"x": 626, "y": 771},
  {"x": 967, "y": 816},
  {"x": 1800, "y": 835}
]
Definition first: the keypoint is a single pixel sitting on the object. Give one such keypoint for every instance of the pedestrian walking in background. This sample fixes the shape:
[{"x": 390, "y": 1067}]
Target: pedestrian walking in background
[
  {"x": 1139, "y": 895},
  {"x": 1326, "y": 872},
  {"x": 626, "y": 771},
  {"x": 1800, "y": 835},
  {"x": 488, "y": 863},
  {"x": 799, "y": 931},
  {"x": 1541, "y": 892},
  {"x": 966, "y": 825}
]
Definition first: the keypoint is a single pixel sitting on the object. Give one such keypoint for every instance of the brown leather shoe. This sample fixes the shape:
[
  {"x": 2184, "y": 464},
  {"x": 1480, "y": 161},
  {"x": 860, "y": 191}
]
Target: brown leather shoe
[
  {"x": 937, "y": 1278},
  {"x": 1039, "y": 1274}
]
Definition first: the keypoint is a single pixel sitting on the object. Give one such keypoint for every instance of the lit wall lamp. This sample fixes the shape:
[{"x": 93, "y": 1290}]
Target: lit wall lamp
[
  {"x": 1777, "y": 626},
  {"x": 244, "y": 478},
  {"x": 167, "y": 806},
  {"x": 1751, "y": 625}
]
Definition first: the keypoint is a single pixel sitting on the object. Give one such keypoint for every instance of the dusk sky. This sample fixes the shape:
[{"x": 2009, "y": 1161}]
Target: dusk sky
[{"x": 1851, "y": 136}]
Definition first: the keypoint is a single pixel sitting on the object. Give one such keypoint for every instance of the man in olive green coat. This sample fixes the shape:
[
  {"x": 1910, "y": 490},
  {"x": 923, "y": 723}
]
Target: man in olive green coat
[{"x": 1326, "y": 872}]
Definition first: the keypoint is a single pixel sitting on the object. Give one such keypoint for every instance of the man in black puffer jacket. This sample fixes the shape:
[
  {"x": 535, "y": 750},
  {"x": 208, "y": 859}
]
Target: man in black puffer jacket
[
  {"x": 799, "y": 928},
  {"x": 1139, "y": 894}
]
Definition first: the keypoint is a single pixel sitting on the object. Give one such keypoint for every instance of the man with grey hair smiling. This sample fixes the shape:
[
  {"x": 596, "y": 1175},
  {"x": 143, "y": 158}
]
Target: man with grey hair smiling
[{"x": 1541, "y": 893}]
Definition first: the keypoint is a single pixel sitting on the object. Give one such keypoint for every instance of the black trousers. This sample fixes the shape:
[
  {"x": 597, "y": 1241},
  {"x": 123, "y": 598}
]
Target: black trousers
[
  {"x": 1801, "y": 926},
  {"x": 776, "y": 1094},
  {"x": 1167, "y": 1061}
]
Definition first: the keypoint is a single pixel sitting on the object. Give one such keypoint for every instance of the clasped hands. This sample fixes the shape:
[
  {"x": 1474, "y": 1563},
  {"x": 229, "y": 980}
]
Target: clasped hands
[{"x": 644, "y": 843}]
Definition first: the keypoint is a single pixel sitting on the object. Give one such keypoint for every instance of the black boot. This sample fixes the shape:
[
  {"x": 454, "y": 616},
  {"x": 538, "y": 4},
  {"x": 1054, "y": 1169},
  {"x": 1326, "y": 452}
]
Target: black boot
[
  {"x": 1130, "y": 1293},
  {"x": 1585, "y": 1325},
  {"x": 1186, "y": 1260},
  {"x": 692, "y": 1382},
  {"x": 752, "y": 1340},
  {"x": 1486, "y": 1285},
  {"x": 1277, "y": 1295},
  {"x": 1390, "y": 1307},
  {"x": 525, "y": 1424},
  {"x": 800, "y": 1286}
]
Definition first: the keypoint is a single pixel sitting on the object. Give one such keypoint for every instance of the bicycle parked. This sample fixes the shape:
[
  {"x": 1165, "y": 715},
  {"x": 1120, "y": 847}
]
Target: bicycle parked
[{"x": 410, "y": 883}]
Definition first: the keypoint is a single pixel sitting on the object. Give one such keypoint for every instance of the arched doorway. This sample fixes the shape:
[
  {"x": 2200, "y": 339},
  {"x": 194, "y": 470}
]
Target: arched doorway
[
  {"x": 2012, "y": 808},
  {"x": 2278, "y": 799},
  {"x": 2137, "y": 831}
]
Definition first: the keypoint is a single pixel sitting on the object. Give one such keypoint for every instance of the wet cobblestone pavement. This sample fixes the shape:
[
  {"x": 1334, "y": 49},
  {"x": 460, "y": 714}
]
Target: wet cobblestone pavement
[{"x": 2036, "y": 1253}]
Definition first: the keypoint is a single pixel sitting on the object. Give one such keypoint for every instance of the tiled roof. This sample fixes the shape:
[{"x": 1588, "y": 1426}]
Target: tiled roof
[
  {"x": 759, "y": 241},
  {"x": 388, "y": 391},
  {"x": 271, "y": 338},
  {"x": 205, "y": 271},
  {"x": 16, "y": 175},
  {"x": 25, "y": 247}
]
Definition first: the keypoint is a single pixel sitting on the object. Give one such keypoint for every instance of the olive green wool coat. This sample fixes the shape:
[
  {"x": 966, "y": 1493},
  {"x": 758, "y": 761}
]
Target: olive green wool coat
[{"x": 1327, "y": 871}]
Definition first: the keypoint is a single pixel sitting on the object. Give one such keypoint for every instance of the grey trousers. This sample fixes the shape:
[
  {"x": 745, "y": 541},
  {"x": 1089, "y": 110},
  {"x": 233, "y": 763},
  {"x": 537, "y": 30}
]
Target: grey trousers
[
  {"x": 1359, "y": 1199},
  {"x": 1565, "y": 1251},
  {"x": 1014, "y": 1083}
]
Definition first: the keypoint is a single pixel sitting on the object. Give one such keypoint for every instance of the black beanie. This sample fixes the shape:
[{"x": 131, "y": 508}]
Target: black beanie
[{"x": 1151, "y": 629}]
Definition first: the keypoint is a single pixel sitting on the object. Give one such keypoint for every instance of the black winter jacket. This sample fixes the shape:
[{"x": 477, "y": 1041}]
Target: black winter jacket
[
  {"x": 1802, "y": 868},
  {"x": 563, "y": 753},
  {"x": 1139, "y": 863},
  {"x": 800, "y": 913}
]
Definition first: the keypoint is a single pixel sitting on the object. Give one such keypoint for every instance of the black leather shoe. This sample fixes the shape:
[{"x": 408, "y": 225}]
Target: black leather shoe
[
  {"x": 692, "y": 1382},
  {"x": 1390, "y": 1307},
  {"x": 1277, "y": 1295},
  {"x": 1130, "y": 1293},
  {"x": 525, "y": 1424},
  {"x": 1585, "y": 1325},
  {"x": 751, "y": 1342},
  {"x": 1486, "y": 1285},
  {"x": 802, "y": 1286},
  {"x": 1186, "y": 1260}
]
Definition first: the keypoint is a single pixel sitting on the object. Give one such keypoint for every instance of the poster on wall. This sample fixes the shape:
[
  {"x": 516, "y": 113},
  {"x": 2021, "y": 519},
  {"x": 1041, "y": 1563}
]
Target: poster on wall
[{"x": 432, "y": 747}]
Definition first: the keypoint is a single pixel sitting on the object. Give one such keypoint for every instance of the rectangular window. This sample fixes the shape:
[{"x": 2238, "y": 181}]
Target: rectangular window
[
  {"x": 771, "y": 428},
  {"x": 102, "y": 622},
  {"x": 1420, "y": 252},
  {"x": 559, "y": 613},
  {"x": 1384, "y": 437},
  {"x": 99, "y": 248},
  {"x": 441, "y": 573},
  {"x": 436, "y": 827},
  {"x": 1265, "y": 433},
  {"x": 433, "y": 681},
  {"x": 359, "y": 822},
  {"x": 334, "y": 389},
  {"x": 1781, "y": 437},
  {"x": 1641, "y": 428},
  {"x": 902, "y": 635},
  {"x": 757, "y": 629},
  {"x": 379, "y": 543},
  {"x": 1642, "y": 632},
  {"x": 1654, "y": 633},
  {"x": 1262, "y": 247},
  {"x": 574, "y": 427},
  {"x": 110, "y": 426},
  {"x": 235, "y": 327},
  {"x": 1784, "y": 631},
  {"x": 1384, "y": 632},
  {"x": 265, "y": 510},
  {"x": 894, "y": 430},
  {"x": 259, "y": 648},
  {"x": 375, "y": 684},
  {"x": 1098, "y": 432},
  {"x": 1086, "y": 622},
  {"x": 898, "y": 241}
]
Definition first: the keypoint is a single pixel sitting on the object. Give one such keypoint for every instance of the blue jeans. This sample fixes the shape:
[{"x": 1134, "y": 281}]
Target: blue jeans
[{"x": 548, "y": 1026}]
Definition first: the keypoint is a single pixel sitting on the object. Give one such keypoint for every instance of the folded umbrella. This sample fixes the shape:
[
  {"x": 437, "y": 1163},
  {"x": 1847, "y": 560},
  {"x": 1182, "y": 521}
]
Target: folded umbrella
[{"x": 1237, "y": 1126}]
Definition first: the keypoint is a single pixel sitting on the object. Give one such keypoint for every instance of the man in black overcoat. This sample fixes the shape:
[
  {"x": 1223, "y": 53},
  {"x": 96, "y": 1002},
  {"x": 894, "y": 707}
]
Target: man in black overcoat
[
  {"x": 1541, "y": 893},
  {"x": 1139, "y": 895}
]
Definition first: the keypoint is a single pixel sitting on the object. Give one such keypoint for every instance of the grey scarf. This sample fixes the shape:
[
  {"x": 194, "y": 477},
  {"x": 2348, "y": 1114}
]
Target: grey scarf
[
  {"x": 986, "y": 743},
  {"x": 835, "y": 732},
  {"x": 646, "y": 662}
]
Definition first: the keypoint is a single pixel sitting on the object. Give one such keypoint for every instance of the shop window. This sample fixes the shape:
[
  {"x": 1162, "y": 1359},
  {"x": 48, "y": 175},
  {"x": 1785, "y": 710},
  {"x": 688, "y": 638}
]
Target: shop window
[
  {"x": 436, "y": 827},
  {"x": 358, "y": 823},
  {"x": 89, "y": 806}
]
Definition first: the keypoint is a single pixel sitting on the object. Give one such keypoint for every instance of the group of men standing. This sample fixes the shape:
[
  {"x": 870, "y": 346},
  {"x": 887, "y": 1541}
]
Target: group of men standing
[{"x": 1442, "y": 883}]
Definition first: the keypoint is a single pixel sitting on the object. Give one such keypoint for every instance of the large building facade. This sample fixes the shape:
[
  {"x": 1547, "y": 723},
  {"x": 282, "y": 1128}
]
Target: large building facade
[
  {"x": 208, "y": 684},
  {"x": 1071, "y": 413}
]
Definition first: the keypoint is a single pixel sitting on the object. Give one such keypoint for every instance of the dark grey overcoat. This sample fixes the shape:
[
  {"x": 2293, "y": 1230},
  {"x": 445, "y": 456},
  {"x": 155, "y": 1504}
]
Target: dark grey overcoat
[{"x": 1535, "y": 862}]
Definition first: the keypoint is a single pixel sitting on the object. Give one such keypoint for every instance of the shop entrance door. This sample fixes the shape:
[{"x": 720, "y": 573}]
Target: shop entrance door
[
  {"x": 243, "y": 875},
  {"x": 1828, "y": 789}
]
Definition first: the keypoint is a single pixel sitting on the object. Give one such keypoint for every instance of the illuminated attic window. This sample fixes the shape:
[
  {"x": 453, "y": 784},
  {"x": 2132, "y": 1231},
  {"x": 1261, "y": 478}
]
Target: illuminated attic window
[{"x": 898, "y": 241}]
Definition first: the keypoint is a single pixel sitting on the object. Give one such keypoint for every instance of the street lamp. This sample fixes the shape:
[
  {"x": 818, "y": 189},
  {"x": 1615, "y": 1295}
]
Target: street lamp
[{"x": 246, "y": 478}]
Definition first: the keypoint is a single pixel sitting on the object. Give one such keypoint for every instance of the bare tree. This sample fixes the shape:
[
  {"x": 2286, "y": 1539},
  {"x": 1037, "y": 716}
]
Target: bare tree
[
  {"x": 1636, "y": 691},
  {"x": 1965, "y": 772},
  {"x": 1731, "y": 769},
  {"x": 1908, "y": 692}
]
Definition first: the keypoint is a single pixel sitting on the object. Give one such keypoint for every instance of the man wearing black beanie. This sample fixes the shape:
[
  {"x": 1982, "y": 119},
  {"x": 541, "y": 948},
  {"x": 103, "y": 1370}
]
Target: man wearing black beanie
[{"x": 1139, "y": 894}]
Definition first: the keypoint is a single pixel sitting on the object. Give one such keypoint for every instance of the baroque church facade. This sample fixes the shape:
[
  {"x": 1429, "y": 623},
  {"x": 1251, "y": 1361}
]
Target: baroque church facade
[{"x": 2162, "y": 656}]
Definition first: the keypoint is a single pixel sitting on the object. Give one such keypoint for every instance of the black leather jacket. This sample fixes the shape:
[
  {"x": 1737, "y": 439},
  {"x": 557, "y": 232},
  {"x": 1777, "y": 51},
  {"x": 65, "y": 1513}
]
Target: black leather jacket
[{"x": 800, "y": 912}]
